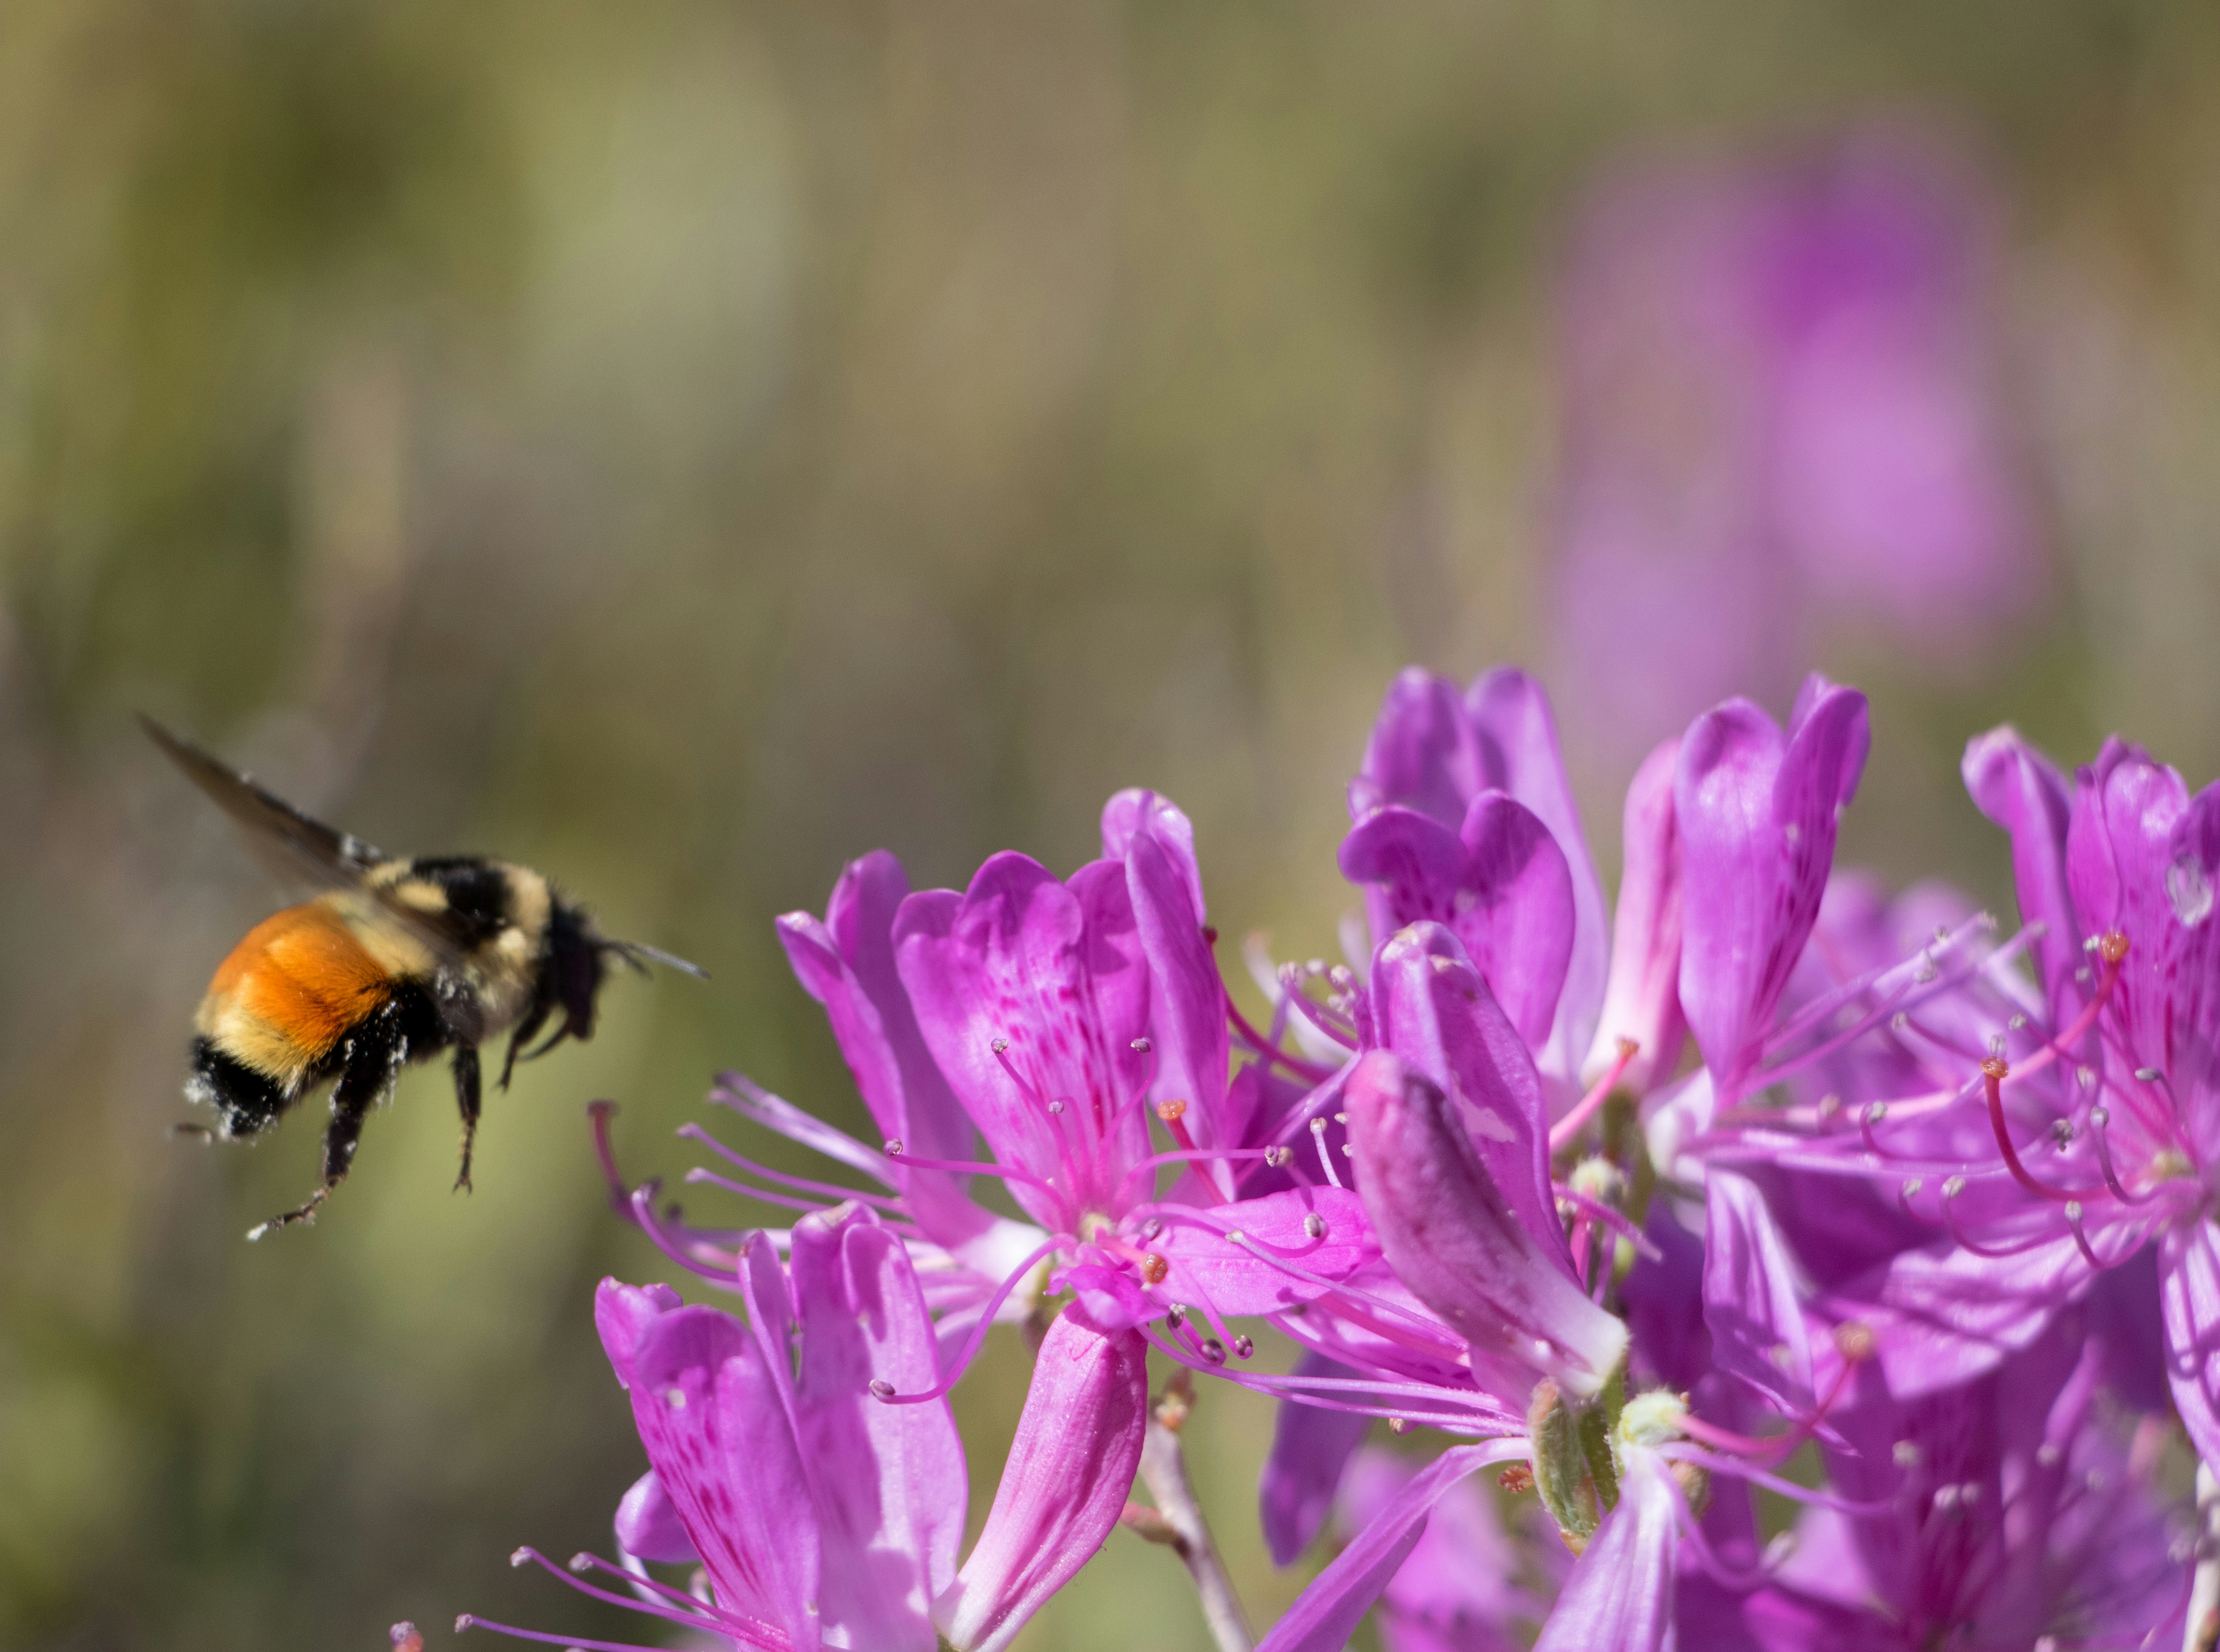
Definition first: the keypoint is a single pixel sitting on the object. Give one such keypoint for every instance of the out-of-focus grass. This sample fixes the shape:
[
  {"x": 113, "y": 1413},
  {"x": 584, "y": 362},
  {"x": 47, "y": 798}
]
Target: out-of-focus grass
[{"x": 683, "y": 446}]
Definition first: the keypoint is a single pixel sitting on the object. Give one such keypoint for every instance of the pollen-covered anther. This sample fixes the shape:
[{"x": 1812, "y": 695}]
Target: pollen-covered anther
[
  {"x": 1056, "y": 1106},
  {"x": 999, "y": 1045},
  {"x": 581, "y": 1561},
  {"x": 1996, "y": 1067},
  {"x": 894, "y": 1149},
  {"x": 1278, "y": 1157},
  {"x": 676, "y": 1399},
  {"x": 2112, "y": 946},
  {"x": 2100, "y": 1116},
  {"x": 2061, "y": 1131},
  {"x": 1517, "y": 1479},
  {"x": 2149, "y": 1074},
  {"x": 1875, "y": 1111},
  {"x": 1906, "y": 1454},
  {"x": 1171, "y": 1110},
  {"x": 1214, "y": 1350},
  {"x": 1245, "y": 1347},
  {"x": 520, "y": 1557},
  {"x": 1153, "y": 1227},
  {"x": 1175, "y": 1316},
  {"x": 1141, "y": 1046},
  {"x": 1314, "y": 1225},
  {"x": 1154, "y": 1267},
  {"x": 464, "y": 1621},
  {"x": 1855, "y": 1341},
  {"x": 1397, "y": 1425},
  {"x": 406, "y": 1637},
  {"x": 2018, "y": 1024},
  {"x": 882, "y": 1389}
]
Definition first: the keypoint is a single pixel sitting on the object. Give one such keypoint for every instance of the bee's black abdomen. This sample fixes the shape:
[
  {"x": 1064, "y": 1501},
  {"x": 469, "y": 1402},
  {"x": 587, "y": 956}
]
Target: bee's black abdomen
[{"x": 246, "y": 1101}]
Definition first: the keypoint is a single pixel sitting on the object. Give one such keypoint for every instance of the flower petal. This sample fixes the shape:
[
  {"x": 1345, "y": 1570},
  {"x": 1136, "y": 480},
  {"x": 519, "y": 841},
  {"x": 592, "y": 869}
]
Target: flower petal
[
  {"x": 622, "y": 1313},
  {"x": 1620, "y": 1596},
  {"x": 1753, "y": 1294},
  {"x": 1756, "y": 816},
  {"x": 1450, "y": 1235},
  {"x": 1642, "y": 999},
  {"x": 1211, "y": 1270},
  {"x": 2189, "y": 1298},
  {"x": 1057, "y": 973},
  {"x": 1423, "y": 752},
  {"x": 1502, "y": 885},
  {"x": 648, "y": 1526},
  {"x": 2021, "y": 790},
  {"x": 1133, "y": 811},
  {"x": 717, "y": 1434},
  {"x": 1311, "y": 1445},
  {"x": 890, "y": 1479},
  {"x": 1453, "y": 1591},
  {"x": 847, "y": 963},
  {"x": 1108, "y": 1300},
  {"x": 1430, "y": 1006},
  {"x": 1186, "y": 1015},
  {"x": 1520, "y": 754},
  {"x": 1516, "y": 912},
  {"x": 1326, "y": 1614},
  {"x": 1065, "y": 1482}
]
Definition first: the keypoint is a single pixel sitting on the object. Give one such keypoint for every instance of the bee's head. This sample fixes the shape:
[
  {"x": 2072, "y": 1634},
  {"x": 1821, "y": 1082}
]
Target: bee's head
[{"x": 577, "y": 962}]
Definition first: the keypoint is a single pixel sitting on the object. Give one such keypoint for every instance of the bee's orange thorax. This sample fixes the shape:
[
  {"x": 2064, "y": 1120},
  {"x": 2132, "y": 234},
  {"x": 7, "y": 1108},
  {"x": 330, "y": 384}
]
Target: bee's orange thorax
[{"x": 291, "y": 988}]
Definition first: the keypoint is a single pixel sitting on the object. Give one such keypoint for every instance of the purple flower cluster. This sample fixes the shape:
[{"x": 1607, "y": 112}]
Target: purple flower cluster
[{"x": 1641, "y": 1202}]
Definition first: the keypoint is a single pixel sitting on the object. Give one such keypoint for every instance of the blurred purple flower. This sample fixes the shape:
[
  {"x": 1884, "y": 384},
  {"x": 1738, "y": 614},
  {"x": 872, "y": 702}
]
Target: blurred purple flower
[{"x": 1779, "y": 411}]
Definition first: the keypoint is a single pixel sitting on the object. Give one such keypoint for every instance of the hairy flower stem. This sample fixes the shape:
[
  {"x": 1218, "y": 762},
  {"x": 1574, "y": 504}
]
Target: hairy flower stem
[
  {"x": 2201, "y": 1633},
  {"x": 1176, "y": 1522}
]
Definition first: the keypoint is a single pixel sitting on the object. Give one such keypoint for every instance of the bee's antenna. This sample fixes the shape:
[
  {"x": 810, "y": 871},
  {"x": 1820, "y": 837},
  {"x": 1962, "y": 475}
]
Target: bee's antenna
[{"x": 633, "y": 953}]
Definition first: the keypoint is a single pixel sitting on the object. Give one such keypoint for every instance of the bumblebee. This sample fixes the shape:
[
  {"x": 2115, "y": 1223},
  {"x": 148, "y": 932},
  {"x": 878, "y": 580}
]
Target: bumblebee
[{"x": 396, "y": 961}]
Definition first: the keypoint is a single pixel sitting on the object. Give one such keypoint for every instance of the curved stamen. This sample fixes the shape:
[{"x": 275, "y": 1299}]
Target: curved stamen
[
  {"x": 694, "y": 1617},
  {"x": 1325, "y": 1158},
  {"x": 1719, "y": 1463},
  {"x": 2099, "y": 1117},
  {"x": 1617, "y": 1221},
  {"x": 834, "y": 1189},
  {"x": 471, "y": 1620},
  {"x": 884, "y": 1391},
  {"x": 1461, "y": 1419},
  {"x": 1189, "y": 1155},
  {"x": 1310, "y": 1071},
  {"x": 720, "y": 1266},
  {"x": 1993, "y": 1071},
  {"x": 975, "y": 1168},
  {"x": 1599, "y": 1092},
  {"x": 701, "y": 1175},
  {"x": 1317, "y": 1016}
]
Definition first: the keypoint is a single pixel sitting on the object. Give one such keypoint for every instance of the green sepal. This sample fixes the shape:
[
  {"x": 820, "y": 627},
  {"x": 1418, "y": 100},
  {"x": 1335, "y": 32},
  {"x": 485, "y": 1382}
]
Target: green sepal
[
  {"x": 1598, "y": 1433},
  {"x": 1560, "y": 1470}
]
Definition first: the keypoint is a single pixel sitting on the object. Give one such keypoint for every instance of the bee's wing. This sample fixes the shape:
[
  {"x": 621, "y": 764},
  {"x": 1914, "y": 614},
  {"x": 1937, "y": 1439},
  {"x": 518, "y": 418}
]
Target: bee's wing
[{"x": 291, "y": 845}]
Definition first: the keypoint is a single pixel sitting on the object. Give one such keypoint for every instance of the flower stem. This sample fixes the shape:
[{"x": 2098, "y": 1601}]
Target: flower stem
[{"x": 1177, "y": 1521}]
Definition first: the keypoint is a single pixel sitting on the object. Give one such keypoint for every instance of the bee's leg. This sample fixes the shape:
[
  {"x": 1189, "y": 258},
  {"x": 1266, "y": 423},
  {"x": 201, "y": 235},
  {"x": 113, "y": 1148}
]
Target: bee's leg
[
  {"x": 373, "y": 1065},
  {"x": 466, "y": 1099}
]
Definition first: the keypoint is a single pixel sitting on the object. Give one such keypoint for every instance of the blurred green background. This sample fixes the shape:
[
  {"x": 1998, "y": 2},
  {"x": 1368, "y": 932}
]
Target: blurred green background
[{"x": 681, "y": 446}]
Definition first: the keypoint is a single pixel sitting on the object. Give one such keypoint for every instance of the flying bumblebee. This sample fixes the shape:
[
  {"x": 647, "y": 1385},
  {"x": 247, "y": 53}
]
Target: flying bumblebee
[{"x": 396, "y": 961}]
